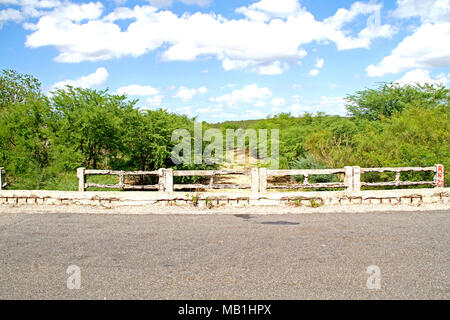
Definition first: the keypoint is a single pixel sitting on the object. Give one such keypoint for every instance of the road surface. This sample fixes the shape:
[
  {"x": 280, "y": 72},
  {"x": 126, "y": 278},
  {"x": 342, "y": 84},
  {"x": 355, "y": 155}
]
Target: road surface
[{"x": 302, "y": 256}]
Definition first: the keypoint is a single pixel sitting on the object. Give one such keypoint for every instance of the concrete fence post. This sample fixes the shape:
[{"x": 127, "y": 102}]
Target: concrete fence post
[
  {"x": 255, "y": 180},
  {"x": 2, "y": 178},
  {"x": 439, "y": 176},
  {"x": 348, "y": 179},
  {"x": 168, "y": 180},
  {"x": 356, "y": 178},
  {"x": 262, "y": 179},
  {"x": 161, "y": 179},
  {"x": 121, "y": 179},
  {"x": 81, "y": 179}
]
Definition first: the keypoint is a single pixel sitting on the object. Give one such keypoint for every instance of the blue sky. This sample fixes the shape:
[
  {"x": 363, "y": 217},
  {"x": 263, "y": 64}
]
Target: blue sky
[{"x": 228, "y": 60}]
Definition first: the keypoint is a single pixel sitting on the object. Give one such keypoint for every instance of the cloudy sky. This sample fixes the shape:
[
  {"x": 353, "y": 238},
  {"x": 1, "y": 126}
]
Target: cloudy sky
[{"x": 227, "y": 60}]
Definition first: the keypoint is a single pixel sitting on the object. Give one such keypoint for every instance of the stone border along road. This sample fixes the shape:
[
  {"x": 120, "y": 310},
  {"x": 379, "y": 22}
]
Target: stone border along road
[{"x": 256, "y": 210}]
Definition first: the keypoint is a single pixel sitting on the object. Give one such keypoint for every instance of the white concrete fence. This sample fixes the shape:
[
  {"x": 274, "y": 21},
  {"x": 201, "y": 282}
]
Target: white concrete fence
[
  {"x": 349, "y": 182},
  {"x": 259, "y": 178}
]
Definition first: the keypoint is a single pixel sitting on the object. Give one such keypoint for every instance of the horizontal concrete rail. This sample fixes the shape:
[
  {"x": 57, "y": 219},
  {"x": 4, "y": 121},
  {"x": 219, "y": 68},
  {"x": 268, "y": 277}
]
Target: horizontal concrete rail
[
  {"x": 166, "y": 181},
  {"x": 352, "y": 177},
  {"x": 306, "y": 173},
  {"x": 184, "y": 173},
  {"x": 83, "y": 172},
  {"x": 303, "y": 172},
  {"x": 212, "y": 174},
  {"x": 438, "y": 180}
]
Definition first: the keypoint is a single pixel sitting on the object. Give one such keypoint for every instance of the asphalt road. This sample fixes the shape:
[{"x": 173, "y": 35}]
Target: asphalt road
[{"x": 303, "y": 256}]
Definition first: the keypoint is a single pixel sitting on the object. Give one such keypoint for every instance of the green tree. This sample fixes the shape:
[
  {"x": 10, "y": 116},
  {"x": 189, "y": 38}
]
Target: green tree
[
  {"x": 17, "y": 88},
  {"x": 416, "y": 137},
  {"x": 24, "y": 133},
  {"x": 147, "y": 140},
  {"x": 388, "y": 99},
  {"x": 88, "y": 126}
]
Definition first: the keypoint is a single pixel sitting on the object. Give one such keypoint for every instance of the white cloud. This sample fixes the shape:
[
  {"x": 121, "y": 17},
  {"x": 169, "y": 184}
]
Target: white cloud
[
  {"x": 215, "y": 112},
  {"x": 332, "y": 105},
  {"x": 228, "y": 86},
  {"x": 168, "y": 3},
  {"x": 255, "y": 113},
  {"x": 28, "y": 9},
  {"x": 298, "y": 109},
  {"x": 79, "y": 33},
  {"x": 260, "y": 104},
  {"x": 77, "y": 13},
  {"x": 224, "y": 115},
  {"x": 426, "y": 10},
  {"x": 155, "y": 100},
  {"x": 95, "y": 79},
  {"x": 187, "y": 94},
  {"x": 266, "y": 9},
  {"x": 277, "y": 102},
  {"x": 185, "y": 110},
  {"x": 160, "y": 3},
  {"x": 272, "y": 69},
  {"x": 329, "y": 105},
  {"x": 137, "y": 90},
  {"x": 27, "y": 4},
  {"x": 344, "y": 16},
  {"x": 421, "y": 77},
  {"x": 10, "y": 15},
  {"x": 275, "y": 109},
  {"x": 196, "y": 2},
  {"x": 427, "y": 47},
  {"x": 319, "y": 63},
  {"x": 374, "y": 29},
  {"x": 250, "y": 94},
  {"x": 211, "y": 110}
]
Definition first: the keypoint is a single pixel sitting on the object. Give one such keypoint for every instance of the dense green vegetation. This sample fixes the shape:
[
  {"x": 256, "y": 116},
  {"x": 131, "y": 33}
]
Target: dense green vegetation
[
  {"x": 389, "y": 126},
  {"x": 43, "y": 139}
]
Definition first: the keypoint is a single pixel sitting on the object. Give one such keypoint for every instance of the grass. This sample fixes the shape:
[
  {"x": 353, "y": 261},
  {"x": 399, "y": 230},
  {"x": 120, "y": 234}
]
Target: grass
[
  {"x": 314, "y": 203},
  {"x": 61, "y": 182},
  {"x": 102, "y": 179},
  {"x": 209, "y": 203},
  {"x": 194, "y": 199}
]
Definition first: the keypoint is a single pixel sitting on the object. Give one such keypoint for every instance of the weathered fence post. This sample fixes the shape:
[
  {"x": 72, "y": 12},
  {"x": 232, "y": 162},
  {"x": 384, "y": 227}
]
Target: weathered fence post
[
  {"x": 262, "y": 179},
  {"x": 211, "y": 181},
  {"x": 121, "y": 179},
  {"x": 348, "y": 179},
  {"x": 397, "y": 178},
  {"x": 168, "y": 180},
  {"x": 161, "y": 179},
  {"x": 255, "y": 180},
  {"x": 356, "y": 178},
  {"x": 2, "y": 178},
  {"x": 439, "y": 176},
  {"x": 81, "y": 179}
]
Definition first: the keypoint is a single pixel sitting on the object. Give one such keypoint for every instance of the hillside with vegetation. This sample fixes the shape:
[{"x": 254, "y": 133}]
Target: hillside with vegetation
[{"x": 44, "y": 138}]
